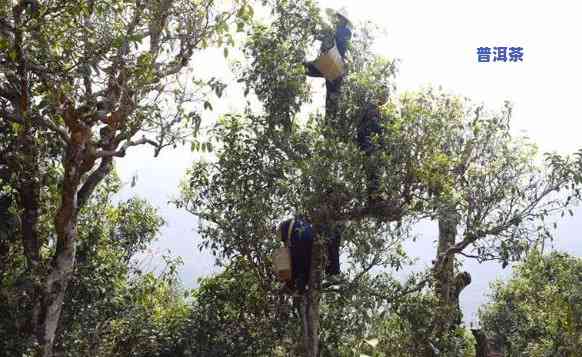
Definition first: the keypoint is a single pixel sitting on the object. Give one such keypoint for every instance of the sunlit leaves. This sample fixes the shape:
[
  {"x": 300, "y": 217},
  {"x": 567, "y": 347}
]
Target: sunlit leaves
[{"x": 537, "y": 312}]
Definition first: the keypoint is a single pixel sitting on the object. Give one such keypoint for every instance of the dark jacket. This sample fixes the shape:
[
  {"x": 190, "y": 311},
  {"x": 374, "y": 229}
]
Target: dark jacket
[
  {"x": 369, "y": 125},
  {"x": 301, "y": 247},
  {"x": 301, "y": 231}
]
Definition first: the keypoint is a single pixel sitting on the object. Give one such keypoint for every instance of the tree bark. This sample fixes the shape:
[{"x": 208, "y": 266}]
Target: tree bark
[
  {"x": 61, "y": 269},
  {"x": 448, "y": 286},
  {"x": 29, "y": 196},
  {"x": 29, "y": 180},
  {"x": 444, "y": 274},
  {"x": 481, "y": 343},
  {"x": 311, "y": 302},
  {"x": 29, "y": 186}
]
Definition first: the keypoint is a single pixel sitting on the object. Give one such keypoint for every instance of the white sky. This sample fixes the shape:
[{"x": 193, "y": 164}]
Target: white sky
[{"x": 436, "y": 44}]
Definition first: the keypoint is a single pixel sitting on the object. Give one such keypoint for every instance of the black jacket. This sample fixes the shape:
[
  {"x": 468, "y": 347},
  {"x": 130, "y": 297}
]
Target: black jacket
[{"x": 369, "y": 126}]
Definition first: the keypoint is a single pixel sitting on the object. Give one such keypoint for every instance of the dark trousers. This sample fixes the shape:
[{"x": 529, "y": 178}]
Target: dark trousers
[
  {"x": 301, "y": 252},
  {"x": 372, "y": 173},
  {"x": 333, "y": 262},
  {"x": 333, "y": 237},
  {"x": 301, "y": 255},
  {"x": 332, "y": 102},
  {"x": 332, "y": 94}
]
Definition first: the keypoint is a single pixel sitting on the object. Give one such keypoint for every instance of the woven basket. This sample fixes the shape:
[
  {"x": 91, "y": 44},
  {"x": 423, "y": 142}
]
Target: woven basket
[
  {"x": 330, "y": 64},
  {"x": 282, "y": 263}
]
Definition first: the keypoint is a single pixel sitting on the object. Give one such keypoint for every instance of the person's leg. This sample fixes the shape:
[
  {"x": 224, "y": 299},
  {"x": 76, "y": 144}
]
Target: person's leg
[
  {"x": 333, "y": 248},
  {"x": 297, "y": 265},
  {"x": 333, "y": 91},
  {"x": 372, "y": 175},
  {"x": 301, "y": 256},
  {"x": 289, "y": 287},
  {"x": 333, "y": 87},
  {"x": 308, "y": 257},
  {"x": 327, "y": 231}
]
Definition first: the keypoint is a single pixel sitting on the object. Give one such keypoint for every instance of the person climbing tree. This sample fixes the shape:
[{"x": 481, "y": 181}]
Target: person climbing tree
[
  {"x": 369, "y": 139},
  {"x": 333, "y": 233},
  {"x": 300, "y": 238},
  {"x": 340, "y": 38},
  {"x": 330, "y": 39}
]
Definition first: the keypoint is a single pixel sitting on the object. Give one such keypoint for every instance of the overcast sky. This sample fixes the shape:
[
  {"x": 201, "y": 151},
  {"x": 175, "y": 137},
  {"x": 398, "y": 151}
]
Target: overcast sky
[{"x": 436, "y": 44}]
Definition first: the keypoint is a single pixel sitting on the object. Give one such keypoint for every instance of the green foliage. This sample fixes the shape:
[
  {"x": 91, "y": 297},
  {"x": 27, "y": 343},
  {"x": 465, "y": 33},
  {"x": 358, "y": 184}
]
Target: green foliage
[
  {"x": 276, "y": 52},
  {"x": 78, "y": 81},
  {"x": 370, "y": 80},
  {"x": 359, "y": 312},
  {"x": 405, "y": 329},
  {"x": 151, "y": 320},
  {"x": 97, "y": 57},
  {"x": 233, "y": 314},
  {"x": 436, "y": 148},
  {"x": 111, "y": 306},
  {"x": 538, "y": 312}
]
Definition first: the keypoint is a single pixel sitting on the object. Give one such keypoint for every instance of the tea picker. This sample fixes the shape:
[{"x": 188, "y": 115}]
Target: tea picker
[
  {"x": 292, "y": 263},
  {"x": 370, "y": 141},
  {"x": 334, "y": 44},
  {"x": 331, "y": 62}
]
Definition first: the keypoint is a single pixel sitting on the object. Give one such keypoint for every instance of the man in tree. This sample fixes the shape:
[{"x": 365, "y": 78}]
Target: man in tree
[
  {"x": 262, "y": 173},
  {"x": 298, "y": 234},
  {"x": 341, "y": 39},
  {"x": 369, "y": 138}
]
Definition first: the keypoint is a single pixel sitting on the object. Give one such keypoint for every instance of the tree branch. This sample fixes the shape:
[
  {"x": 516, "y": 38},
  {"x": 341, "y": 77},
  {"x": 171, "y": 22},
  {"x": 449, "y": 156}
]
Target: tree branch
[
  {"x": 93, "y": 180},
  {"x": 59, "y": 130},
  {"x": 123, "y": 149}
]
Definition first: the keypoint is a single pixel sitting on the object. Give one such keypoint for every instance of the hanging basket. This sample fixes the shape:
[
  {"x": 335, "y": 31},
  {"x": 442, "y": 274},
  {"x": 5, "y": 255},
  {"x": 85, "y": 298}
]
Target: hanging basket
[
  {"x": 330, "y": 64},
  {"x": 282, "y": 257},
  {"x": 282, "y": 264}
]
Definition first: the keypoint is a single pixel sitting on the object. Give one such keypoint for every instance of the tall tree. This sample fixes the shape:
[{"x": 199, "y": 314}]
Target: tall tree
[
  {"x": 273, "y": 165},
  {"x": 85, "y": 78},
  {"x": 105, "y": 283},
  {"x": 436, "y": 159},
  {"x": 487, "y": 191}
]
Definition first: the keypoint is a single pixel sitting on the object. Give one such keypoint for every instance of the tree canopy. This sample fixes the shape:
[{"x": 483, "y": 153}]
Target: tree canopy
[
  {"x": 81, "y": 82},
  {"x": 537, "y": 312}
]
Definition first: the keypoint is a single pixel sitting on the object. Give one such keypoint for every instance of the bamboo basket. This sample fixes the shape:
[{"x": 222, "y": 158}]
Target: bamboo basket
[
  {"x": 330, "y": 64},
  {"x": 282, "y": 263},
  {"x": 282, "y": 258}
]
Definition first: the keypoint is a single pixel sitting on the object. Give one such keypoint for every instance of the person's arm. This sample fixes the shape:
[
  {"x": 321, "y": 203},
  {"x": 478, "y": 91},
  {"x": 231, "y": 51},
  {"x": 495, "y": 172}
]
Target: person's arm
[
  {"x": 323, "y": 31},
  {"x": 343, "y": 35}
]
